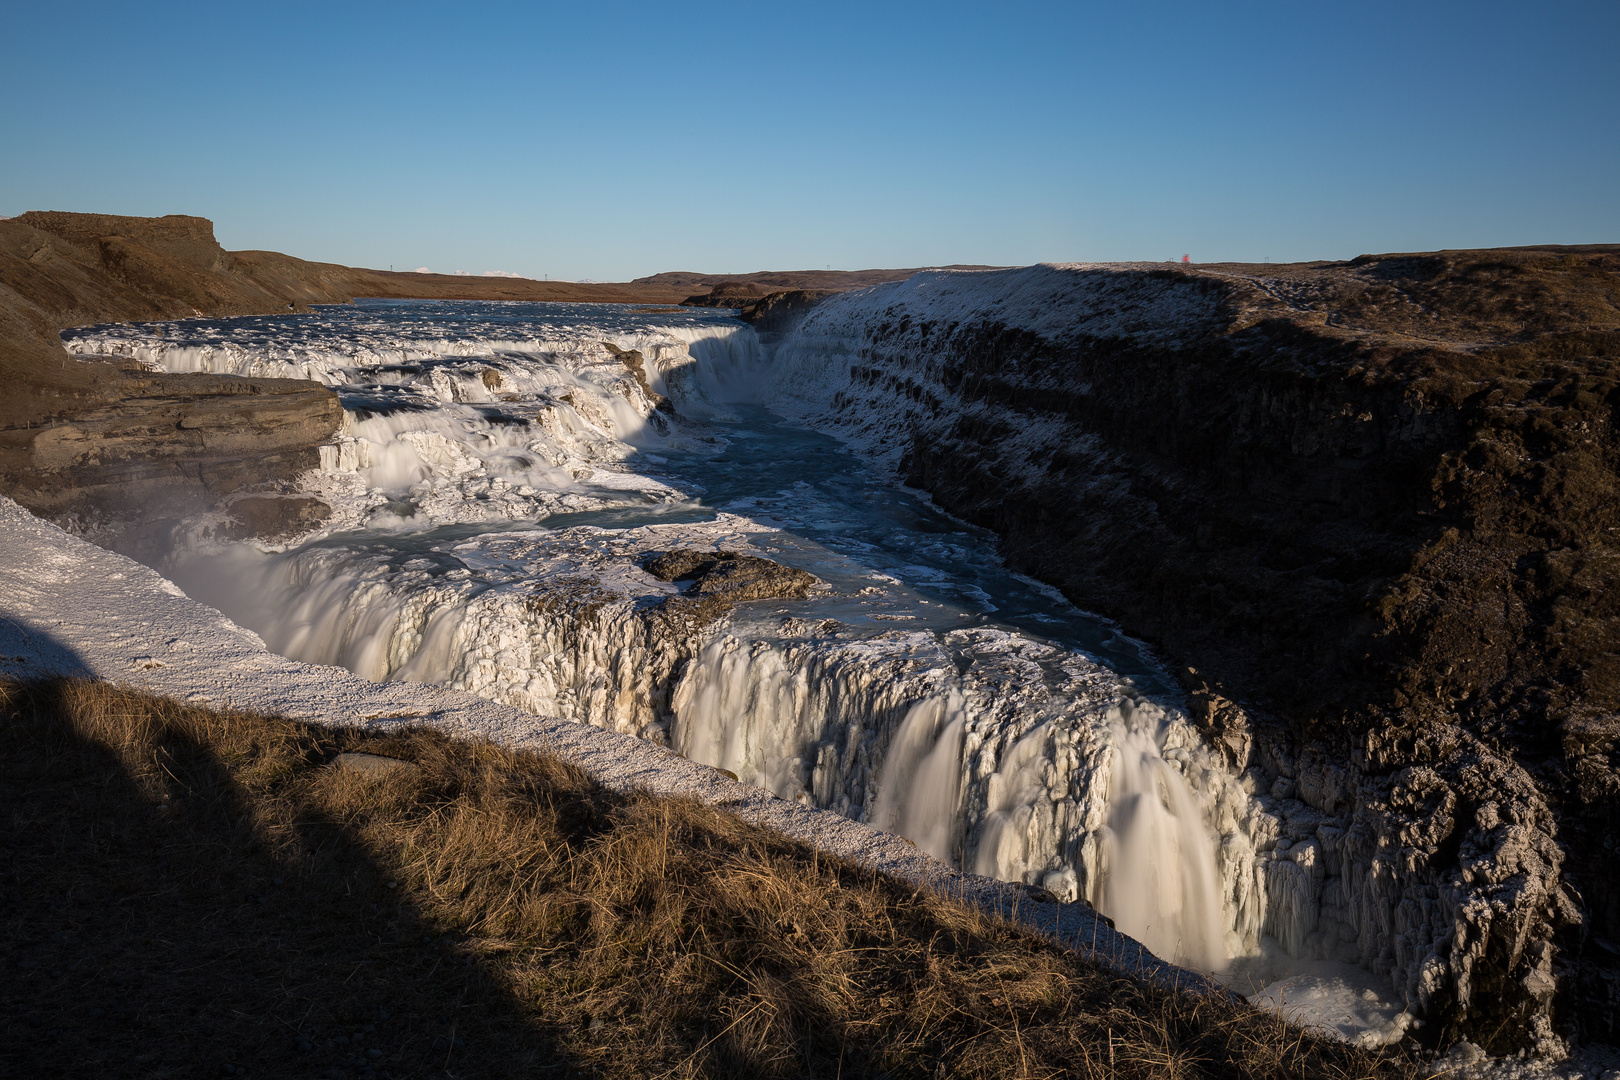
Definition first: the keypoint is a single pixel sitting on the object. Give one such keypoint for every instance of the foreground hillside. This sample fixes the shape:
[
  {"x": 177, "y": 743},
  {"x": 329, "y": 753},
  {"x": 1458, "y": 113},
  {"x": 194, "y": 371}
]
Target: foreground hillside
[
  {"x": 189, "y": 893},
  {"x": 1370, "y": 511}
]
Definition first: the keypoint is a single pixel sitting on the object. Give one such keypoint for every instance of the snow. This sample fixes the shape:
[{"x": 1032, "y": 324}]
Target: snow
[
  {"x": 1062, "y": 301},
  {"x": 1346, "y": 1007},
  {"x": 70, "y": 608},
  {"x": 514, "y": 411}
]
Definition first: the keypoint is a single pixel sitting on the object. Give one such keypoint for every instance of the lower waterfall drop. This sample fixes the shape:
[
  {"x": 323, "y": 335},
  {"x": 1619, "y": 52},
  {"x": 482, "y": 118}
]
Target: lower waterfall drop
[
  {"x": 919, "y": 788},
  {"x": 1157, "y": 878}
]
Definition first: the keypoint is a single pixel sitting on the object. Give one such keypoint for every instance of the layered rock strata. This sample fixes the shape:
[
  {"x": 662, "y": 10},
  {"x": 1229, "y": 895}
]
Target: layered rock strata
[
  {"x": 127, "y": 471},
  {"x": 1370, "y": 510}
]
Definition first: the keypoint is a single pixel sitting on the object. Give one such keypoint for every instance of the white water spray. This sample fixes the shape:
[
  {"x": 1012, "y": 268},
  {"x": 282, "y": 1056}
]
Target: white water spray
[
  {"x": 986, "y": 748},
  {"x": 919, "y": 788},
  {"x": 1156, "y": 875}
]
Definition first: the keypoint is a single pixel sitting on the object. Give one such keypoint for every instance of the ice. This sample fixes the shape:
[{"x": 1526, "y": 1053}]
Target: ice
[
  {"x": 513, "y": 411},
  {"x": 1340, "y": 1000},
  {"x": 926, "y": 690}
]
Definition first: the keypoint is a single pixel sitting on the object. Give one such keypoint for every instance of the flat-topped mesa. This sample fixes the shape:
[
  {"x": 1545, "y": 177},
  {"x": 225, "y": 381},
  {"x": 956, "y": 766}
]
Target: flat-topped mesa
[
  {"x": 729, "y": 294},
  {"x": 1370, "y": 510}
]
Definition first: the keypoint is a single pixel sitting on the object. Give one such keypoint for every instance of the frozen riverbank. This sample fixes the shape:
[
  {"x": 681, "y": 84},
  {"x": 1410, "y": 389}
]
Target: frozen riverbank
[{"x": 503, "y": 479}]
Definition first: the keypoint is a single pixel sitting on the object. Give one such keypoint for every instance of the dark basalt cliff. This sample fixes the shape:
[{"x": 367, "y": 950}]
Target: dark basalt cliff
[
  {"x": 771, "y": 314},
  {"x": 1370, "y": 511}
]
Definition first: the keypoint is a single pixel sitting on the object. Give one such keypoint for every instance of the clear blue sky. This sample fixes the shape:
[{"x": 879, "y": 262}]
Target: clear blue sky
[{"x": 613, "y": 140}]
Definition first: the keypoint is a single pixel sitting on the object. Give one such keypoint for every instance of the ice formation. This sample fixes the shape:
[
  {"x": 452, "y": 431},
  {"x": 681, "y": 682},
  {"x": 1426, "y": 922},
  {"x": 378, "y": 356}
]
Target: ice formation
[
  {"x": 514, "y": 414},
  {"x": 469, "y": 427}
]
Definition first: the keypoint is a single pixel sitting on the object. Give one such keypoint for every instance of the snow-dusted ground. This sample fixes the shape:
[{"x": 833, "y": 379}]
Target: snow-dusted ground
[{"x": 70, "y": 608}]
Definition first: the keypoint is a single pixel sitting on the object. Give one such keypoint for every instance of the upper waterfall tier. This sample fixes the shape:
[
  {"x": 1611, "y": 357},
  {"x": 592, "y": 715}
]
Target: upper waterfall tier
[{"x": 473, "y": 411}]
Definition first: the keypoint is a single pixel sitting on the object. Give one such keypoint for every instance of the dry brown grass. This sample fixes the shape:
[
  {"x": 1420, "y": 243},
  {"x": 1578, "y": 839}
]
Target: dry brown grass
[{"x": 190, "y": 893}]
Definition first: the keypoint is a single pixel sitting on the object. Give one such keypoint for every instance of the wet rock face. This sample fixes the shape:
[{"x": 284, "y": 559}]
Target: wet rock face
[
  {"x": 780, "y": 312},
  {"x": 1388, "y": 559},
  {"x": 269, "y": 517},
  {"x": 768, "y": 312},
  {"x": 721, "y": 579},
  {"x": 127, "y": 470},
  {"x": 635, "y": 363}
]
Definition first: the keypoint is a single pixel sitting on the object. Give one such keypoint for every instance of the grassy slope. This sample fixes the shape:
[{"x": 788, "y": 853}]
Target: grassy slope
[{"x": 184, "y": 892}]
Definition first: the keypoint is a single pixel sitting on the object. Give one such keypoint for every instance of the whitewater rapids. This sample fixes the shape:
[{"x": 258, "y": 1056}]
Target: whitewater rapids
[{"x": 503, "y": 473}]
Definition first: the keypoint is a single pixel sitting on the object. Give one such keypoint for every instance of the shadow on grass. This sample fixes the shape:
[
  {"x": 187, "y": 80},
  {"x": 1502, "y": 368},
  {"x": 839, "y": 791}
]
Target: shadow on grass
[
  {"x": 188, "y": 893},
  {"x": 151, "y": 929}
]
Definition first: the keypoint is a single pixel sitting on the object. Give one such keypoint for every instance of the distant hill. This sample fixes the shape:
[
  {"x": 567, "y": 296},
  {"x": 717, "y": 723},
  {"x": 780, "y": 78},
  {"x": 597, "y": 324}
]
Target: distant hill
[{"x": 776, "y": 280}]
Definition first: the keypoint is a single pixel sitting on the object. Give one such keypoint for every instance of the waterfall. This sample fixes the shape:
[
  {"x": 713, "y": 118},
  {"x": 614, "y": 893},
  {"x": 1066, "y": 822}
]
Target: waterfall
[
  {"x": 990, "y": 749},
  {"x": 919, "y": 787},
  {"x": 1156, "y": 876},
  {"x": 987, "y": 750},
  {"x": 539, "y": 409},
  {"x": 1085, "y": 802}
]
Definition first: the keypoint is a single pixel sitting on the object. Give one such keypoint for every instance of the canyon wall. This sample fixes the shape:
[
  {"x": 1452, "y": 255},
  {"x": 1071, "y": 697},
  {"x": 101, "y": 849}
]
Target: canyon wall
[{"x": 1368, "y": 511}]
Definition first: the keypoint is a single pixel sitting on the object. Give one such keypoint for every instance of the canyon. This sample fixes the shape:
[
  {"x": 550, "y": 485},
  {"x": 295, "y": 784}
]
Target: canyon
[
  {"x": 1368, "y": 510},
  {"x": 1362, "y": 513}
]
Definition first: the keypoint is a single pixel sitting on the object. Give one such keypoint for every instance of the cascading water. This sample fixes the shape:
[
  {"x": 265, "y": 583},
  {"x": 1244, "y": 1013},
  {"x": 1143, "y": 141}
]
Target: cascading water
[
  {"x": 919, "y": 789},
  {"x": 504, "y": 472},
  {"x": 1157, "y": 869}
]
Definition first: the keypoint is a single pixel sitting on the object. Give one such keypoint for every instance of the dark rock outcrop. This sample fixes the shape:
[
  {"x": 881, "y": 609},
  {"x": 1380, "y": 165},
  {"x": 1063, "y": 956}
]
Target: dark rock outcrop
[
  {"x": 720, "y": 580},
  {"x": 771, "y": 314},
  {"x": 777, "y": 314},
  {"x": 636, "y": 364},
  {"x": 1371, "y": 509},
  {"x": 126, "y": 470},
  {"x": 728, "y": 294}
]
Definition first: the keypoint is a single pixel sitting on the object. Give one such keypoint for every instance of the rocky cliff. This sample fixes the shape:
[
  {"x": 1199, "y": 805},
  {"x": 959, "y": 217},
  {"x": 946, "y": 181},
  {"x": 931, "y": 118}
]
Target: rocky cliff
[
  {"x": 770, "y": 313},
  {"x": 1369, "y": 512}
]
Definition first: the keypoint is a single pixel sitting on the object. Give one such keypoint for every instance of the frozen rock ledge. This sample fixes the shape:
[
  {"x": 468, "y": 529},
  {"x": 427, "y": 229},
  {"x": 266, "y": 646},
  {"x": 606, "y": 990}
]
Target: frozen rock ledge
[{"x": 70, "y": 608}]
